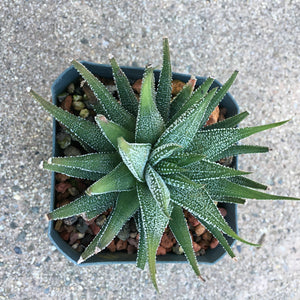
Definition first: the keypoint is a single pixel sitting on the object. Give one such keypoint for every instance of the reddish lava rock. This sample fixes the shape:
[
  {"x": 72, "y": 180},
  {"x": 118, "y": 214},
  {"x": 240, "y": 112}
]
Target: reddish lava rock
[
  {"x": 65, "y": 235},
  {"x": 196, "y": 247},
  {"x": 223, "y": 211},
  {"x": 214, "y": 243},
  {"x": 131, "y": 249},
  {"x": 137, "y": 86},
  {"x": 213, "y": 118},
  {"x": 67, "y": 103},
  {"x": 167, "y": 240},
  {"x": 62, "y": 187},
  {"x": 112, "y": 246},
  {"x": 161, "y": 251},
  {"x": 121, "y": 245},
  {"x": 192, "y": 220},
  {"x": 199, "y": 229},
  {"x": 95, "y": 228}
]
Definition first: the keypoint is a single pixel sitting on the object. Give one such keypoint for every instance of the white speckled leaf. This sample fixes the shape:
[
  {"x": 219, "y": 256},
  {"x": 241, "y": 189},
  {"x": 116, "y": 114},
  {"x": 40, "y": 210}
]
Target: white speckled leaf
[
  {"x": 114, "y": 111},
  {"x": 113, "y": 131},
  {"x": 154, "y": 224},
  {"x": 149, "y": 124},
  {"x": 84, "y": 204},
  {"x": 119, "y": 179},
  {"x": 85, "y": 131},
  {"x": 126, "y": 205},
  {"x": 135, "y": 157},
  {"x": 182, "y": 131},
  {"x": 168, "y": 168},
  {"x": 164, "y": 89},
  {"x": 126, "y": 94},
  {"x": 163, "y": 152},
  {"x": 181, "y": 232},
  {"x": 215, "y": 141},
  {"x": 158, "y": 188},
  {"x": 142, "y": 250}
]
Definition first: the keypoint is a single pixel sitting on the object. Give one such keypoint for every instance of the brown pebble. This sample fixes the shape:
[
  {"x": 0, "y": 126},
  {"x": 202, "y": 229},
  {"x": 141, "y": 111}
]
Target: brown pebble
[
  {"x": 61, "y": 177},
  {"x": 177, "y": 86},
  {"x": 213, "y": 118},
  {"x": 58, "y": 225},
  {"x": 67, "y": 103},
  {"x": 192, "y": 220},
  {"x": 137, "y": 86},
  {"x": 223, "y": 211},
  {"x": 112, "y": 246},
  {"x": 65, "y": 235},
  {"x": 214, "y": 243},
  {"x": 196, "y": 247},
  {"x": 95, "y": 228},
  {"x": 62, "y": 187},
  {"x": 207, "y": 236},
  {"x": 133, "y": 242},
  {"x": 199, "y": 229},
  {"x": 167, "y": 240},
  {"x": 121, "y": 245},
  {"x": 161, "y": 251},
  {"x": 131, "y": 249}
]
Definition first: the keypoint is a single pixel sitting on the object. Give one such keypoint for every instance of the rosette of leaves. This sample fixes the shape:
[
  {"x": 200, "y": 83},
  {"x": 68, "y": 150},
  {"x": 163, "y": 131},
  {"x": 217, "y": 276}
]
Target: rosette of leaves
[{"x": 153, "y": 157}]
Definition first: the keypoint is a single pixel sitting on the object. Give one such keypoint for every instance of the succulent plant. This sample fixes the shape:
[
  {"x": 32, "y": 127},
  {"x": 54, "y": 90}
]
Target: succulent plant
[{"x": 153, "y": 157}]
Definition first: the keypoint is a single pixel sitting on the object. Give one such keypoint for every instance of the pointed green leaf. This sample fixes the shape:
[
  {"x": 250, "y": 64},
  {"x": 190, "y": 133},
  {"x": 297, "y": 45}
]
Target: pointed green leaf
[
  {"x": 93, "y": 162},
  {"x": 113, "y": 131},
  {"x": 229, "y": 122},
  {"x": 149, "y": 124},
  {"x": 158, "y": 188},
  {"x": 126, "y": 205},
  {"x": 206, "y": 170},
  {"x": 181, "y": 181},
  {"x": 219, "y": 236},
  {"x": 213, "y": 142},
  {"x": 199, "y": 94},
  {"x": 142, "y": 248},
  {"x": 135, "y": 157},
  {"x": 227, "y": 188},
  {"x": 181, "y": 232},
  {"x": 162, "y": 152},
  {"x": 126, "y": 94},
  {"x": 241, "y": 149},
  {"x": 248, "y": 182},
  {"x": 182, "y": 96},
  {"x": 85, "y": 131},
  {"x": 183, "y": 130},
  {"x": 199, "y": 203},
  {"x": 154, "y": 224},
  {"x": 71, "y": 171},
  {"x": 184, "y": 158},
  {"x": 164, "y": 89},
  {"x": 168, "y": 168},
  {"x": 114, "y": 111},
  {"x": 119, "y": 179},
  {"x": 84, "y": 204},
  {"x": 218, "y": 97}
]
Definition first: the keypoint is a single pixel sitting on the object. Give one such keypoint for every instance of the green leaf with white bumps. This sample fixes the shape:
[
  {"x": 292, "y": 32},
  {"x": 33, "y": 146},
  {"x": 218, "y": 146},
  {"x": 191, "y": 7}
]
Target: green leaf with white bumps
[
  {"x": 180, "y": 229},
  {"x": 113, "y": 131},
  {"x": 135, "y": 157},
  {"x": 158, "y": 188},
  {"x": 113, "y": 110},
  {"x": 119, "y": 179},
  {"x": 154, "y": 224},
  {"x": 183, "y": 130},
  {"x": 84, "y": 204},
  {"x": 84, "y": 130},
  {"x": 164, "y": 89},
  {"x": 163, "y": 152},
  {"x": 141, "y": 259},
  {"x": 149, "y": 123},
  {"x": 125, "y": 91},
  {"x": 126, "y": 205}
]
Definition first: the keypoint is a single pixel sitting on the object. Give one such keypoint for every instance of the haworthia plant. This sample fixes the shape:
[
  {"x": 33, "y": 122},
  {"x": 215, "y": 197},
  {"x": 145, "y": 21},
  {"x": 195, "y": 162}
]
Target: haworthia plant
[{"x": 153, "y": 158}]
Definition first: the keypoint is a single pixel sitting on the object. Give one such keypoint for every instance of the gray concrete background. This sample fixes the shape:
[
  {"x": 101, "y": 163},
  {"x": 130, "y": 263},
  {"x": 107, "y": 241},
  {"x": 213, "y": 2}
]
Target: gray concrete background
[{"x": 259, "y": 38}]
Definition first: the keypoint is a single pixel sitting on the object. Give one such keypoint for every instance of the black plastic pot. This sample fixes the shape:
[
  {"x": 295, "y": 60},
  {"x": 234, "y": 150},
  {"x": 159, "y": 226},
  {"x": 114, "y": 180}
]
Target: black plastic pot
[{"x": 212, "y": 255}]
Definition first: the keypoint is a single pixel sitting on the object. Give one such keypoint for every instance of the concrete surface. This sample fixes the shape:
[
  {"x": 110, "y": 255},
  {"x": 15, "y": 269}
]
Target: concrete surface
[{"x": 259, "y": 38}]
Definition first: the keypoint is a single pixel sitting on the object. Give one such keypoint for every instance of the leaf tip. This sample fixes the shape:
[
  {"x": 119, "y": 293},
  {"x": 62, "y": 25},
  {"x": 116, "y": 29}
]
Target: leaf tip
[
  {"x": 201, "y": 278},
  {"x": 80, "y": 260},
  {"x": 48, "y": 217},
  {"x": 110, "y": 56},
  {"x": 235, "y": 259},
  {"x": 29, "y": 90}
]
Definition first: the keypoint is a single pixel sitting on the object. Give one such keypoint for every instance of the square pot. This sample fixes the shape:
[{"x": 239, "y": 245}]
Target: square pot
[{"x": 60, "y": 84}]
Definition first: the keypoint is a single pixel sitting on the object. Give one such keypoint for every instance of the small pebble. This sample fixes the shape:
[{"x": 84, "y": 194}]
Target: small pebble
[
  {"x": 78, "y": 105},
  {"x": 121, "y": 245},
  {"x": 84, "y": 113},
  {"x": 137, "y": 86},
  {"x": 72, "y": 151},
  {"x": 100, "y": 220},
  {"x": 70, "y": 221},
  {"x": 161, "y": 251},
  {"x": 63, "y": 139},
  {"x": 199, "y": 229},
  {"x": 71, "y": 88},
  {"x": 73, "y": 191},
  {"x": 223, "y": 211},
  {"x": 214, "y": 243},
  {"x": 124, "y": 232},
  {"x": 77, "y": 97},
  {"x": 18, "y": 250}
]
